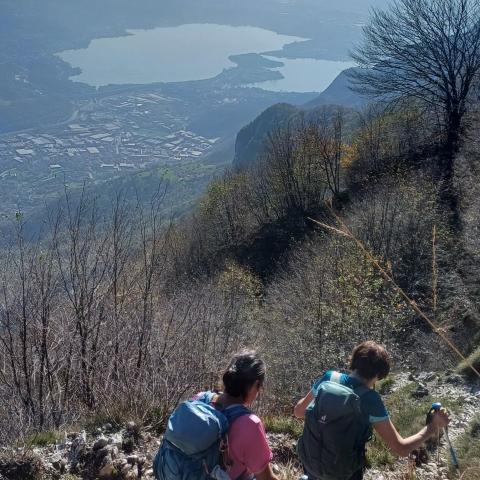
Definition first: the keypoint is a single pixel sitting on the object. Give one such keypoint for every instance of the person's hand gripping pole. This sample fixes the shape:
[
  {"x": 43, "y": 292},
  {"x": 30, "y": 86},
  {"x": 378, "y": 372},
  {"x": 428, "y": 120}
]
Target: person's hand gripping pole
[{"x": 438, "y": 418}]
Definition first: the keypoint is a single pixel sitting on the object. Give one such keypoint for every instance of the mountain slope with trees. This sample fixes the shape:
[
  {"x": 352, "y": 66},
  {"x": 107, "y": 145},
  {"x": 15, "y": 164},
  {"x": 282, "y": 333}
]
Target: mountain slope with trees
[{"x": 251, "y": 139}]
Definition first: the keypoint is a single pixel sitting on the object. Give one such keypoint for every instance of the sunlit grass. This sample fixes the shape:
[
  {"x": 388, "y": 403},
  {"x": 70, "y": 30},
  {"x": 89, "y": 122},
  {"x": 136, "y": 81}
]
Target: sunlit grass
[
  {"x": 408, "y": 415},
  {"x": 284, "y": 424}
]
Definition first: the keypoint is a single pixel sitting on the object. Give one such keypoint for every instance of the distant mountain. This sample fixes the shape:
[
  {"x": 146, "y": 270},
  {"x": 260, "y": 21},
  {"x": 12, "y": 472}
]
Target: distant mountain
[
  {"x": 339, "y": 93},
  {"x": 251, "y": 139}
]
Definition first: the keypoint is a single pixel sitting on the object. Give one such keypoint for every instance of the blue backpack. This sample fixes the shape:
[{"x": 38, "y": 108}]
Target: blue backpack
[{"x": 195, "y": 439}]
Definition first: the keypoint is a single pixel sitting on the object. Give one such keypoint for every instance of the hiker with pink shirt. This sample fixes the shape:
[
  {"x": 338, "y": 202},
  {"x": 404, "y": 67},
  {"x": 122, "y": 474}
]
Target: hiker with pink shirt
[
  {"x": 215, "y": 435},
  {"x": 250, "y": 453}
]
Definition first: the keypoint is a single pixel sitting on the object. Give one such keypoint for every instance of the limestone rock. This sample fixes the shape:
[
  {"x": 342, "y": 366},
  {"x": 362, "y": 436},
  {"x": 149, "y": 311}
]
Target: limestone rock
[
  {"x": 420, "y": 391},
  {"x": 100, "y": 443},
  {"x": 107, "y": 471}
]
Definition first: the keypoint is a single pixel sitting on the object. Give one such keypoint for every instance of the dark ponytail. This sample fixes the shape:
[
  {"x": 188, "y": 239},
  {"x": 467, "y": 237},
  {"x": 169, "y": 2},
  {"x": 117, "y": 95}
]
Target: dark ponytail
[{"x": 244, "y": 370}]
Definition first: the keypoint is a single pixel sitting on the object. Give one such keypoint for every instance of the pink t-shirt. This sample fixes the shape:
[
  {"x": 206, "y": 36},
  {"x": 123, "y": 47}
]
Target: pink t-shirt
[
  {"x": 248, "y": 446},
  {"x": 249, "y": 449}
]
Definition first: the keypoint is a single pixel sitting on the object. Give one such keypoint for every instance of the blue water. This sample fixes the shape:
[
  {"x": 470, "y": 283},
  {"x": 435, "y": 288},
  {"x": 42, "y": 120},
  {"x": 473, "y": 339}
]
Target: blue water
[
  {"x": 192, "y": 52},
  {"x": 305, "y": 75}
]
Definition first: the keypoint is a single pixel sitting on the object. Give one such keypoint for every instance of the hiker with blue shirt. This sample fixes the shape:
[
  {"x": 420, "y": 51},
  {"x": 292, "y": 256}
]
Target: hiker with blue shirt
[
  {"x": 342, "y": 410},
  {"x": 215, "y": 435}
]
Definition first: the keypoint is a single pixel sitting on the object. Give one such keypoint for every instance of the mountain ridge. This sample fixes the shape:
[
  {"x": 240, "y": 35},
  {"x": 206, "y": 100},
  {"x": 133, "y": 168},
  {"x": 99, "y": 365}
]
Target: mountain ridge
[{"x": 251, "y": 138}]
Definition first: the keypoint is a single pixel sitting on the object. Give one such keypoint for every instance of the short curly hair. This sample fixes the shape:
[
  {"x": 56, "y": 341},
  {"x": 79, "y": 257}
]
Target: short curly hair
[{"x": 370, "y": 360}]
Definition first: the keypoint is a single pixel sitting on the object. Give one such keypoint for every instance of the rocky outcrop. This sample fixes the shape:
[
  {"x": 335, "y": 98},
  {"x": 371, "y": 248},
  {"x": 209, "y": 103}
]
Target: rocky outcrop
[{"x": 109, "y": 454}]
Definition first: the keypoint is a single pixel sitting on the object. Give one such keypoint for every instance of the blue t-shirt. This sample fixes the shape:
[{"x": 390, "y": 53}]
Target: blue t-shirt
[{"x": 371, "y": 402}]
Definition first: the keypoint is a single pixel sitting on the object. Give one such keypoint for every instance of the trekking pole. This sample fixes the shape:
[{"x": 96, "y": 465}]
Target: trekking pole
[{"x": 435, "y": 408}]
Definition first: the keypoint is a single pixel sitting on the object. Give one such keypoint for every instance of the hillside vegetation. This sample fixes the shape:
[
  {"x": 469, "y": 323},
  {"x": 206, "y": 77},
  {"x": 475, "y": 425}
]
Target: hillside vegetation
[{"x": 122, "y": 310}]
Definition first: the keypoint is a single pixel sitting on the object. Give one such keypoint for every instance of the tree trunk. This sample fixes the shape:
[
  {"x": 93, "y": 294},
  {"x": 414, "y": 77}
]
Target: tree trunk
[{"x": 448, "y": 193}]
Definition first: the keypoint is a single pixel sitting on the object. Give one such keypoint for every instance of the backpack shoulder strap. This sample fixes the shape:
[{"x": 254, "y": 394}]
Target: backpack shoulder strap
[
  {"x": 336, "y": 377},
  {"x": 361, "y": 390},
  {"x": 207, "y": 397},
  {"x": 231, "y": 413},
  {"x": 235, "y": 411}
]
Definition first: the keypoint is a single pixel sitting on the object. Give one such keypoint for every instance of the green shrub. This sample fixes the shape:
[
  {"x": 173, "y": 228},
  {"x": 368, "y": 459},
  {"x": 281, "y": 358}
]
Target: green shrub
[
  {"x": 384, "y": 386},
  {"x": 42, "y": 439},
  {"x": 282, "y": 424},
  {"x": 379, "y": 455}
]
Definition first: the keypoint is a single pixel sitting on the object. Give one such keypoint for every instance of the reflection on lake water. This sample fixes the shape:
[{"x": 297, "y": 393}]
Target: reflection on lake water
[{"x": 192, "y": 52}]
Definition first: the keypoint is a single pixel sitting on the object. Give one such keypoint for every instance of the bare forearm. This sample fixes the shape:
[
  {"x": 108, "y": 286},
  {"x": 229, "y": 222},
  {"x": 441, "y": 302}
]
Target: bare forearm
[
  {"x": 413, "y": 442},
  {"x": 399, "y": 445},
  {"x": 301, "y": 406}
]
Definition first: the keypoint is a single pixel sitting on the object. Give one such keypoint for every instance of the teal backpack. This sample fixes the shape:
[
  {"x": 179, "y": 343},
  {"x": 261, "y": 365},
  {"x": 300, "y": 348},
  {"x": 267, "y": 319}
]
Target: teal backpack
[
  {"x": 195, "y": 441},
  {"x": 332, "y": 446}
]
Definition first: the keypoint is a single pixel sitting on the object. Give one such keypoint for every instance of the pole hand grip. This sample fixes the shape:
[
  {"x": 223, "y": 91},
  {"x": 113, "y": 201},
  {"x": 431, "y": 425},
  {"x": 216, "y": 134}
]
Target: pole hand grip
[{"x": 434, "y": 408}]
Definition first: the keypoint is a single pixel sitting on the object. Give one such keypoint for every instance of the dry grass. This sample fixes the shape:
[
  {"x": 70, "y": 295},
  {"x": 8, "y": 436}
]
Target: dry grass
[
  {"x": 470, "y": 474},
  {"x": 473, "y": 359},
  {"x": 468, "y": 452},
  {"x": 290, "y": 471}
]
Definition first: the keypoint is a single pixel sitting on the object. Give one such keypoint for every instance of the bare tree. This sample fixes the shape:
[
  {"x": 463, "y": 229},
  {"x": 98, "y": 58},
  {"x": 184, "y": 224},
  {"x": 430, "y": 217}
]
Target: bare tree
[
  {"x": 122, "y": 248},
  {"x": 83, "y": 267},
  {"x": 293, "y": 169},
  {"x": 329, "y": 144},
  {"x": 428, "y": 50},
  {"x": 153, "y": 258}
]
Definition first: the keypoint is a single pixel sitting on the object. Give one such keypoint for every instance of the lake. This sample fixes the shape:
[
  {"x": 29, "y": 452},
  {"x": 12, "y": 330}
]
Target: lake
[
  {"x": 193, "y": 52},
  {"x": 304, "y": 75}
]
